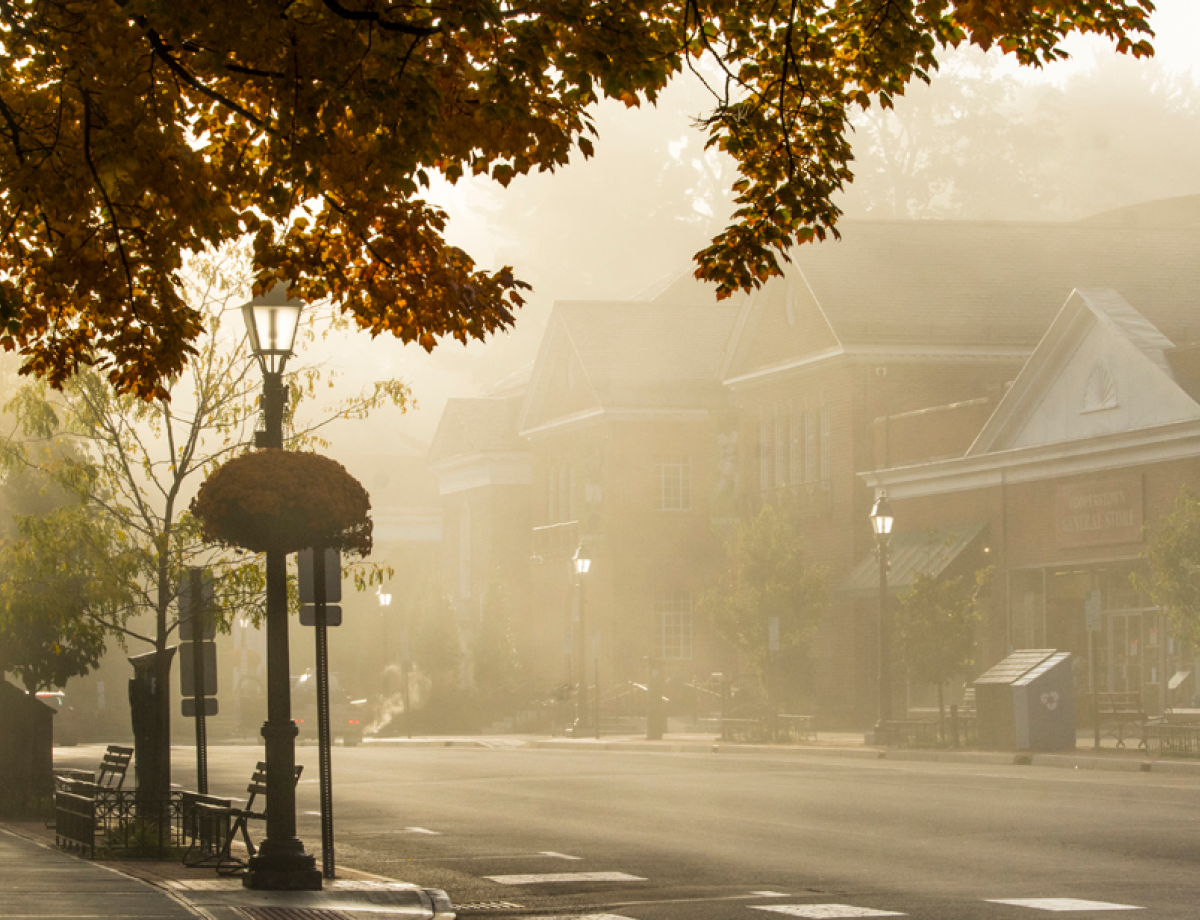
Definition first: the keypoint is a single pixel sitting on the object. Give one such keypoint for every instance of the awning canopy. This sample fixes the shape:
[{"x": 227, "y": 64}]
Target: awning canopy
[{"x": 911, "y": 552}]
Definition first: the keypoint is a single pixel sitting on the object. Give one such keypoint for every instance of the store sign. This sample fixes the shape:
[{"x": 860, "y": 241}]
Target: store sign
[{"x": 1099, "y": 512}]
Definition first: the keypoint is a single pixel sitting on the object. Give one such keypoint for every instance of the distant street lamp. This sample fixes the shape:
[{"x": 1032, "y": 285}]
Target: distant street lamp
[
  {"x": 582, "y": 562},
  {"x": 281, "y": 863},
  {"x": 882, "y": 520}
]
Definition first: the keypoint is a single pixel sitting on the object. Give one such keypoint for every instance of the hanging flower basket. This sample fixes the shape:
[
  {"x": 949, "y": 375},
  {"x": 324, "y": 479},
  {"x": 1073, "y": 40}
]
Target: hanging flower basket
[{"x": 286, "y": 501}]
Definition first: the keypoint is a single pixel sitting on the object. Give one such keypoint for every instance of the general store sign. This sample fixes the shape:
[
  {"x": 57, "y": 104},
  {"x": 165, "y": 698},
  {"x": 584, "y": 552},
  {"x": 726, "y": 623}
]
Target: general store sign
[{"x": 1099, "y": 512}]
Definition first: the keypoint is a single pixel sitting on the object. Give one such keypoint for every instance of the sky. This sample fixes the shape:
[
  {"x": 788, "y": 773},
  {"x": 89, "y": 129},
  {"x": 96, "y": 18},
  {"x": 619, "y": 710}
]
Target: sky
[{"x": 608, "y": 192}]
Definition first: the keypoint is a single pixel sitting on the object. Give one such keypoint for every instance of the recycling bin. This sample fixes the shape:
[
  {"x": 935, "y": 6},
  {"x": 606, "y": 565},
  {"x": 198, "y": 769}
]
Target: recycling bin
[{"x": 1027, "y": 702}]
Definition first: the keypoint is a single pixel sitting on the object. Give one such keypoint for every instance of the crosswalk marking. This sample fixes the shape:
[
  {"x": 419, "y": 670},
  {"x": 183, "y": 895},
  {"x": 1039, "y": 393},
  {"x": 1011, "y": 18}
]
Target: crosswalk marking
[
  {"x": 1062, "y": 904},
  {"x": 825, "y": 911},
  {"x": 579, "y": 917},
  {"x": 551, "y": 853},
  {"x": 564, "y": 877}
]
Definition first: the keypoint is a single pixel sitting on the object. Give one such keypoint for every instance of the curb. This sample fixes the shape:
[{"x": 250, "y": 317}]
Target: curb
[{"x": 1115, "y": 764}]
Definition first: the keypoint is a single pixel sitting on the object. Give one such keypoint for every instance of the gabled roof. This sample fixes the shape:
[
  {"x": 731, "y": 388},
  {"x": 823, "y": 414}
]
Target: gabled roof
[
  {"x": 918, "y": 285},
  {"x": 622, "y": 355},
  {"x": 1099, "y": 370},
  {"x": 477, "y": 425}
]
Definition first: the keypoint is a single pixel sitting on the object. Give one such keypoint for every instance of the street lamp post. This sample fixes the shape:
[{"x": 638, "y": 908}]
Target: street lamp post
[
  {"x": 582, "y": 562},
  {"x": 385, "y": 601},
  {"x": 882, "y": 520},
  {"x": 281, "y": 863}
]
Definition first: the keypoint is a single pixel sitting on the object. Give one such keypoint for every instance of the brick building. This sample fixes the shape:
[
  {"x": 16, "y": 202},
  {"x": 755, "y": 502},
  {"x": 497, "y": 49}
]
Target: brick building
[
  {"x": 890, "y": 346},
  {"x": 483, "y": 470},
  {"x": 626, "y": 444},
  {"x": 1092, "y": 442}
]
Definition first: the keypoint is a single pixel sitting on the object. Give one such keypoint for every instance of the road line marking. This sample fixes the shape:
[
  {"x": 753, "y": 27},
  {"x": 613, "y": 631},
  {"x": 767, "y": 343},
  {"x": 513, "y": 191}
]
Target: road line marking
[
  {"x": 558, "y": 855},
  {"x": 586, "y": 917},
  {"x": 564, "y": 877},
  {"x": 423, "y": 830},
  {"x": 825, "y": 911},
  {"x": 767, "y": 894},
  {"x": 1062, "y": 904},
  {"x": 317, "y": 813}
]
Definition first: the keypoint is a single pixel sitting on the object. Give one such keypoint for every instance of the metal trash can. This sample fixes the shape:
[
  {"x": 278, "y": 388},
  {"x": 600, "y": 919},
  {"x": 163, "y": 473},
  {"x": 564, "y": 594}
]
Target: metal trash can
[{"x": 1027, "y": 702}]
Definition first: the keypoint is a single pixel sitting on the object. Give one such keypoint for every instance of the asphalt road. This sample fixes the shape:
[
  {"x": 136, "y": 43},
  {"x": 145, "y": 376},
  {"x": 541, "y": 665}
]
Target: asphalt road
[{"x": 725, "y": 836}]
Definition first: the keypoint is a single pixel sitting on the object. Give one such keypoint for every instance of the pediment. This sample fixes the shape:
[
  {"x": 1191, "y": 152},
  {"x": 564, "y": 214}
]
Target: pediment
[
  {"x": 1099, "y": 370},
  {"x": 560, "y": 386}
]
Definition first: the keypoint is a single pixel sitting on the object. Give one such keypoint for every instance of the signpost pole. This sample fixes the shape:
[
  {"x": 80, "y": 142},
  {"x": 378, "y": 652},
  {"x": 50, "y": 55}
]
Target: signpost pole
[
  {"x": 199, "y": 615},
  {"x": 1092, "y": 620},
  {"x": 325, "y": 760}
]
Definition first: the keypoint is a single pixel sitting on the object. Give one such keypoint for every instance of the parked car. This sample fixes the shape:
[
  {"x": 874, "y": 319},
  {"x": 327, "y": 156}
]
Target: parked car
[
  {"x": 66, "y": 720},
  {"x": 347, "y": 717}
]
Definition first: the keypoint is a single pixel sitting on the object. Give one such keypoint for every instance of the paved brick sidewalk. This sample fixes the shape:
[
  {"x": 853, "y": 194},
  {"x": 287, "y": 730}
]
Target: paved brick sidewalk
[{"x": 39, "y": 881}]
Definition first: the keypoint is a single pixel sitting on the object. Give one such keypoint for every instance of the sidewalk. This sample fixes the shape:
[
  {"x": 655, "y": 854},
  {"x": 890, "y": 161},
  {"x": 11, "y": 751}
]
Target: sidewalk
[
  {"x": 39, "y": 881},
  {"x": 833, "y": 744}
]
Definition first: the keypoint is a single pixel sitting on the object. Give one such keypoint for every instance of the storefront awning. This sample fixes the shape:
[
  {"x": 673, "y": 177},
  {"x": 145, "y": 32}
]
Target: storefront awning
[{"x": 927, "y": 551}]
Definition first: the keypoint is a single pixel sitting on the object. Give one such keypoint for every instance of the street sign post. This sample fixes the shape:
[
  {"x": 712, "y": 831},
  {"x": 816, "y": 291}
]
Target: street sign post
[
  {"x": 198, "y": 660},
  {"x": 320, "y": 584},
  {"x": 308, "y": 615}
]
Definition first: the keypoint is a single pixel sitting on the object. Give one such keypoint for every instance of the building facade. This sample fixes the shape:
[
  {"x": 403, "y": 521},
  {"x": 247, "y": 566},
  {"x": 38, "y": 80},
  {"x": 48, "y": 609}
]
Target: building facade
[{"x": 651, "y": 426}]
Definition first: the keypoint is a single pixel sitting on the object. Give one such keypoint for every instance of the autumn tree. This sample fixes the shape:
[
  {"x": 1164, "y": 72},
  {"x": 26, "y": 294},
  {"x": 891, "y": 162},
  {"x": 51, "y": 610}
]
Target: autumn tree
[
  {"x": 936, "y": 623},
  {"x": 133, "y": 464},
  {"x": 1173, "y": 557},
  {"x": 766, "y": 588},
  {"x": 133, "y": 134}
]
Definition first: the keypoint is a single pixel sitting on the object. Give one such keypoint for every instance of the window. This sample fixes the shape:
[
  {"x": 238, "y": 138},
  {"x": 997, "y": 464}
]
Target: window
[
  {"x": 464, "y": 550},
  {"x": 796, "y": 436},
  {"x": 783, "y": 463},
  {"x": 812, "y": 445},
  {"x": 824, "y": 435},
  {"x": 766, "y": 450},
  {"x": 673, "y": 639},
  {"x": 560, "y": 498},
  {"x": 675, "y": 483}
]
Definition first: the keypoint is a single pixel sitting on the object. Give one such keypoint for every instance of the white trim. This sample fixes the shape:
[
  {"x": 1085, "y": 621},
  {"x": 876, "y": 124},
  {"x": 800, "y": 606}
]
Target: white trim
[
  {"x": 795, "y": 364},
  {"x": 914, "y": 353},
  {"x": 1175, "y": 441},
  {"x": 598, "y": 415},
  {"x": 478, "y": 470}
]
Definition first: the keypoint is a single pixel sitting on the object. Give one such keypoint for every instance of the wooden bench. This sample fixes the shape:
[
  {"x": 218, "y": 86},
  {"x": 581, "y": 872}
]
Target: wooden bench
[
  {"x": 1116, "y": 711},
  {"x": 218, "y": 824},
  {"x": 796, "y": 728},
  {"x": 111, "y": 773},
  {"x": 205, "y": 823},
  {"x": 909, "y": 733}
]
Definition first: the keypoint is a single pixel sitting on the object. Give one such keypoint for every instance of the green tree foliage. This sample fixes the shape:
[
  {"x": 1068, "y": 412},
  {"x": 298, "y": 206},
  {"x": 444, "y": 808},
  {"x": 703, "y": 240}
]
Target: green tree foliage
[
  {"x": 936, "y": 622},
  {"x": 441, "y": 703},
  {"x": 66, "y": 589},
  {"x": 1173, "y": 554},
  {"x": 496, "y": 660},
  {"x": 129, "y": 466},
  {"x": 132, "y": 134},
  {"x": 765, "y": 576}
]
